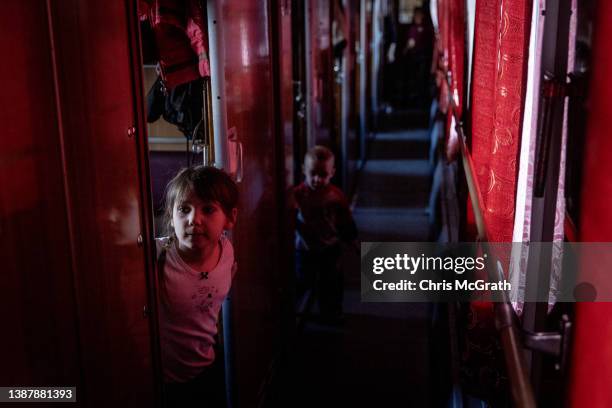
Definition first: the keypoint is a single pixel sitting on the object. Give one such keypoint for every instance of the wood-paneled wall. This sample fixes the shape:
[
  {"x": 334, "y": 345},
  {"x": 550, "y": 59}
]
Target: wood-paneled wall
[{"x": 71, "y": 203}]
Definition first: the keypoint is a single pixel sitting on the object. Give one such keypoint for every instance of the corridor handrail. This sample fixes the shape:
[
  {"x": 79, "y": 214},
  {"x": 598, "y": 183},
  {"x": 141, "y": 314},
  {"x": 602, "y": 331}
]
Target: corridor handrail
[{"x": 505, "y": 316}]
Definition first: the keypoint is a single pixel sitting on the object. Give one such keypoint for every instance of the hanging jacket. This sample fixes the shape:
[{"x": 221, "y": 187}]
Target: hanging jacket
[
  {"x": 181, "y": 106},
  {"x": 181, "y": 39}
]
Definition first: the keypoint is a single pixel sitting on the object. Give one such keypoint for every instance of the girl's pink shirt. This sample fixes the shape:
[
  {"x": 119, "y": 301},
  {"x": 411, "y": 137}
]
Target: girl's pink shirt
[{"x": 189, "y": 311}]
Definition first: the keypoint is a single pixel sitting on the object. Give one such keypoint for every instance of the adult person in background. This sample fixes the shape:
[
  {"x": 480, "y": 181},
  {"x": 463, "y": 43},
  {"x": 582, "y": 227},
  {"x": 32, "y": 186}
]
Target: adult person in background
[
  {"x": 390, "y": 70},
  {"x": 417, "y": 51}
]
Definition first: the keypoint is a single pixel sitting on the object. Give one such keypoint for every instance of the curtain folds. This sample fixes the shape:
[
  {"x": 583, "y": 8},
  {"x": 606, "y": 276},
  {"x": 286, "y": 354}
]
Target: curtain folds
[
  {"x": 452, "y": 34},
  {"x": 500, "y": 56},
  {"x": 522, "y": 220},
  {"x": 501, "y": 39},
  {"x": 522, "y": 223}
]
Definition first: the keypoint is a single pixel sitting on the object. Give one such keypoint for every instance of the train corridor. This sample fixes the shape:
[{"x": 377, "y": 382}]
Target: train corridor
[
  {"x": 122, "y": 288},
  {"x": 379, "y": 355}
]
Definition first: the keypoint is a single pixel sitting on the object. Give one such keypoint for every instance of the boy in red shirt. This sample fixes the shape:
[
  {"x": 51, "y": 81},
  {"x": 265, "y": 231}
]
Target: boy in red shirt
[{"x": 324, "y": 222}]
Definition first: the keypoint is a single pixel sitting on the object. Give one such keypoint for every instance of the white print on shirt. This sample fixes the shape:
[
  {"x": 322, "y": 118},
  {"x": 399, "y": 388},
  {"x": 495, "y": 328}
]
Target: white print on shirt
[{"x": 203, "y": 298}]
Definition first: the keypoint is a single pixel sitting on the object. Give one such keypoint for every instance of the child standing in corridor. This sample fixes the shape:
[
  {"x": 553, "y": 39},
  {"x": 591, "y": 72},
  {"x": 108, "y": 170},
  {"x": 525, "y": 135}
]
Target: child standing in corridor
[
  {"x": 196, "y": 264},
  {"x": 324, "y": 223}
]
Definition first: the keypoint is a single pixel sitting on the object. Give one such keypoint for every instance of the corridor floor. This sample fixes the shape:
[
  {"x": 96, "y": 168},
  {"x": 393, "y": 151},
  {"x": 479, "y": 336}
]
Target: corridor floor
[{"x": 379, "y": 356}]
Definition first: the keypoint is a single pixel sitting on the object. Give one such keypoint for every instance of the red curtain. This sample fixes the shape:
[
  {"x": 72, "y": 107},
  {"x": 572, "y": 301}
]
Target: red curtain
[
  {"x": 451, "y": 46},
  {"x": 456, "y": 44},
  {"x": 592, "y": 352},
  {"x": 454, "y": 33},
  {"x": 501, "y": 39},
  {"x": 500, "y": 61}
]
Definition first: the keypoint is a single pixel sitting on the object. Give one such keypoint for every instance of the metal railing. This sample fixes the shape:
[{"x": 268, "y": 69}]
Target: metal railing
[{"x": 506, "y": 320}]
